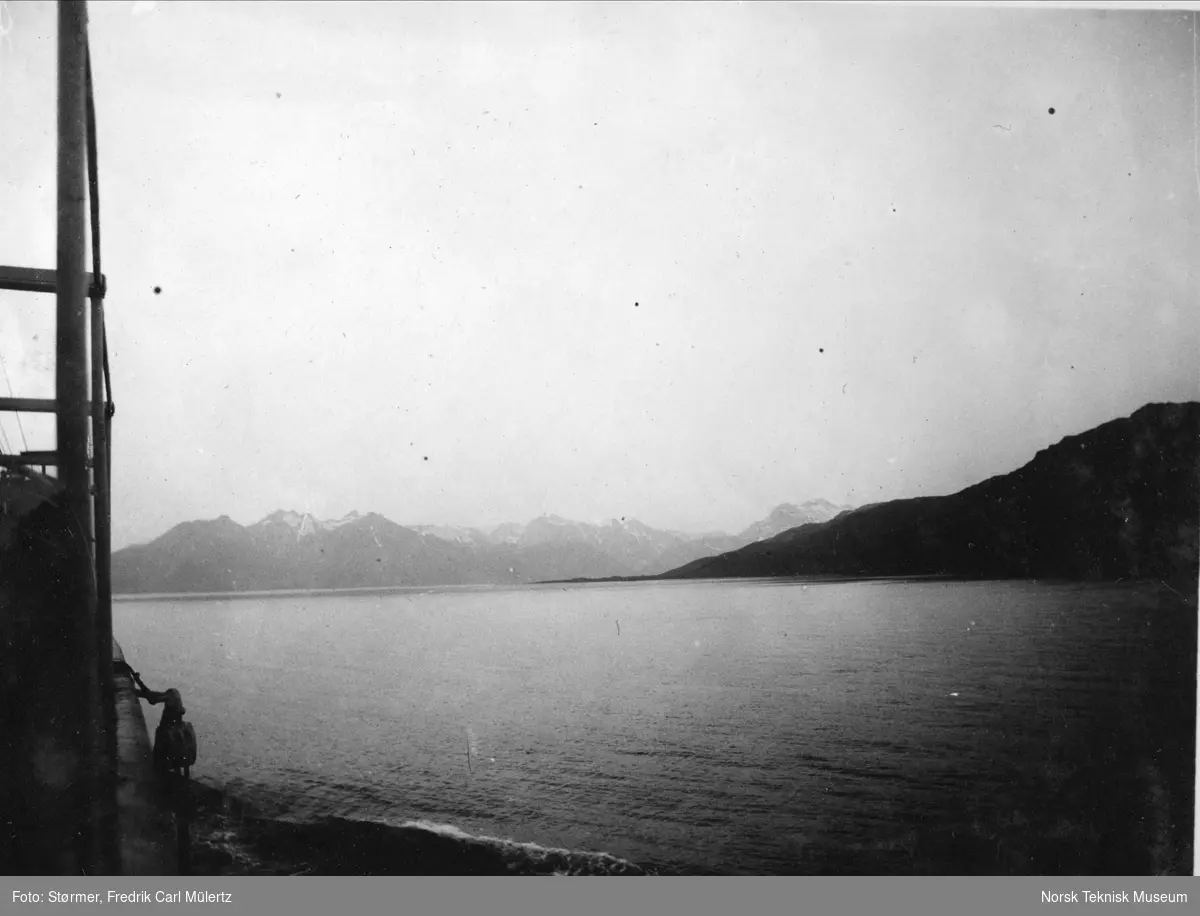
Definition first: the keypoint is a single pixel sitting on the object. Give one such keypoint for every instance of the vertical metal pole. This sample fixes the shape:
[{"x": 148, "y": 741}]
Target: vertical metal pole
[
  {"x": 72, "y": 351},
  {"x": 73, "y": 415},
  {"x": 101, "y": 484}
]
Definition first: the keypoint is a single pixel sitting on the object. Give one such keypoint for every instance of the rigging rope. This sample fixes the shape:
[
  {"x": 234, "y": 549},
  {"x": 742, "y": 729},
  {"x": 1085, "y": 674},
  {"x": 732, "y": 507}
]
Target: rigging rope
[
  {"x": 8, "y": 383},
  {"x": 94, "y": 195},
  {"x": 5, "y": 445}
]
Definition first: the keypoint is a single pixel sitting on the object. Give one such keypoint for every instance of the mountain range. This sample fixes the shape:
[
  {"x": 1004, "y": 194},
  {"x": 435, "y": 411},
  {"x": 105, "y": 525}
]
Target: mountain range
[
  {"x": 1118, "y": 501},
  {"x": 293, "y": 550}
]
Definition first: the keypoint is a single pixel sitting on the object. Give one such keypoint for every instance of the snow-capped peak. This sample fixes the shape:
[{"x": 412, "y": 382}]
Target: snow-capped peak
[{"x": 330, "y": 524}]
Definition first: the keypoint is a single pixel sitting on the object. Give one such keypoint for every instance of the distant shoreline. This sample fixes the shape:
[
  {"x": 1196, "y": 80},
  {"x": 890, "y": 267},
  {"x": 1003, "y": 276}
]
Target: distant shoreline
[
  {"x": 487, "y": 586},
  {"x": 493, "y": 586},
  {"x": 814, "y": 579},
  {"x": 303, "y": 592}
]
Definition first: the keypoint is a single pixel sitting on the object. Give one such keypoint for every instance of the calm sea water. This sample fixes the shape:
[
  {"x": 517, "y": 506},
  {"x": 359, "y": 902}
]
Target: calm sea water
[{"x": 745, "y": 727}]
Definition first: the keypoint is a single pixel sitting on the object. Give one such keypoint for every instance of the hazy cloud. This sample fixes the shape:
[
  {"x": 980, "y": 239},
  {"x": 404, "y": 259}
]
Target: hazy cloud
[{"x": 466, "y": 263}]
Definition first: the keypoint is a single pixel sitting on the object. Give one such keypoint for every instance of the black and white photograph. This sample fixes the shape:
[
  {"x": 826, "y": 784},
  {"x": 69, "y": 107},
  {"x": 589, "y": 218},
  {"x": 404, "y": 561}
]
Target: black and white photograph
[{"x": 598, "y": 438}]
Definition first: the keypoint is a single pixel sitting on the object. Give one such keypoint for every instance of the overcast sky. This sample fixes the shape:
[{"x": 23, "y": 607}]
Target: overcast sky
[{"x": 465, "y": 264}]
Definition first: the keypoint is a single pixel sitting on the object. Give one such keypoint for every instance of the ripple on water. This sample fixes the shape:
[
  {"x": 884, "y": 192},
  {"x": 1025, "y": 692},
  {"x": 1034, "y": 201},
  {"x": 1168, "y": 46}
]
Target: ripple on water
[{"x": 891, "y": 719}]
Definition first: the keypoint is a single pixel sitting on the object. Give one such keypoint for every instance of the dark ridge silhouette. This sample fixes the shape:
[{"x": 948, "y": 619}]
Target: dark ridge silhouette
[{"x": 1121, "y": 501}]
